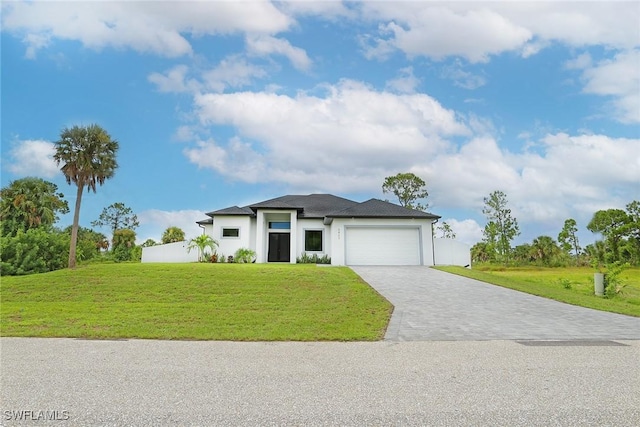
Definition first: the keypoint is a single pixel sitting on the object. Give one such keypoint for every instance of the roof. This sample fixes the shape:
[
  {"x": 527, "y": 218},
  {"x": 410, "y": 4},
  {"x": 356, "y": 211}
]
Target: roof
[
  {"x": 322, "y": 206},
  {"x": 375, "y": 208},
  {"x": 233, "y": 210}
]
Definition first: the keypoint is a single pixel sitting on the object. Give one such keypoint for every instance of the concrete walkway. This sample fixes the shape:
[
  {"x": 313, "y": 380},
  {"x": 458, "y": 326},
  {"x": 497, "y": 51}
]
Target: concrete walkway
[{"x": 432, "y": 305}]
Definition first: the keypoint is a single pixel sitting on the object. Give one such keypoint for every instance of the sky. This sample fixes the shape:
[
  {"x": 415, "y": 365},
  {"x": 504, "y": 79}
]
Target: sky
[{"x": 223, "y": 103}]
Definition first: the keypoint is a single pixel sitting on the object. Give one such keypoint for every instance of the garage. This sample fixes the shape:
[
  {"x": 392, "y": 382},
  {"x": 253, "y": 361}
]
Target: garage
[{"x": 383, "y": 246}]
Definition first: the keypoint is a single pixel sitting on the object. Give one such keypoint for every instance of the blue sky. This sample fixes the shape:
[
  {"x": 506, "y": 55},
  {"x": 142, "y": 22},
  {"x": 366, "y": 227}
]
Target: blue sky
[{"x": 226, "y": 103}]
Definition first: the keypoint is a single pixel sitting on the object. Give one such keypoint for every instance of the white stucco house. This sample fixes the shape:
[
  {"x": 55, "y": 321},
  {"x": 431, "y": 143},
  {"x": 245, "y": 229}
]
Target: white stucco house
[
  {"x": 374, "y": 232},
  {"x": 350, "y": 233}
]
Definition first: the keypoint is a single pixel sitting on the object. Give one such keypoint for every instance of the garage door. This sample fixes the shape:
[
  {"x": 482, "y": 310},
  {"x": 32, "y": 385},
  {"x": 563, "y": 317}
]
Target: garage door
[{"x": 382, "y": 246}]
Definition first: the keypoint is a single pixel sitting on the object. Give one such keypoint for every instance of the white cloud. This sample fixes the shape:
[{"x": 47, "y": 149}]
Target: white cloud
[
  {"x": 478, "y": 30},
  {"x": 33, "y": 158},
  {"x": 438, "y": 31},
  {"x": 142, "y": 26},
  {"x": 619, "y": 78},
  {"x": 174, "y": 80},
  {"x": 406, "y": 82},
  {"x": 580, "y": 62},
  {"x": 467, "y": 231},
  {"x": 349, "y": 138},
  {"x": 154, "y": 222},
  {"x": 234, "y": 72},
  {"x": 264, "y": 45}
]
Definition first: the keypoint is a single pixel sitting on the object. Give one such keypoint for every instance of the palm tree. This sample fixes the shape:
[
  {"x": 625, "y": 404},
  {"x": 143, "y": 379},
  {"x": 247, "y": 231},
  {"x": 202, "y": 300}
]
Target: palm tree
[
  {"x": 202, "y": 242},
  {"x": 29, "y": 203},
  {"x": 88, "y": 157},
  {"x": 172, "y": 234}
]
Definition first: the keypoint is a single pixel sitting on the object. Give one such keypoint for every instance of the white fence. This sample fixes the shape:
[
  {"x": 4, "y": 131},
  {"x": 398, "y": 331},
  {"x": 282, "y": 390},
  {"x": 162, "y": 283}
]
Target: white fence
[
  {"x": 451, "y": 252},
  {"x": 171, "y": 252}
]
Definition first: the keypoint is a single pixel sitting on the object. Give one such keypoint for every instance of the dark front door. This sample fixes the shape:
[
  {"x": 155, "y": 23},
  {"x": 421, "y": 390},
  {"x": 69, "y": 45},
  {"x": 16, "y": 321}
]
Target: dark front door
[{"x": 279, "y": 244}]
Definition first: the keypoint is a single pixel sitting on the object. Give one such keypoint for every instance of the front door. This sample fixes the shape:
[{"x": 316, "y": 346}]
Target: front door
[{"x": 279, "y": 245}]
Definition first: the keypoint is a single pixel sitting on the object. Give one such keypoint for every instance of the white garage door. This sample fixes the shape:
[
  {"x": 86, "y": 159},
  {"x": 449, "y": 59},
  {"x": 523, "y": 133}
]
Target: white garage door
[{"x": 382, "y": 246}]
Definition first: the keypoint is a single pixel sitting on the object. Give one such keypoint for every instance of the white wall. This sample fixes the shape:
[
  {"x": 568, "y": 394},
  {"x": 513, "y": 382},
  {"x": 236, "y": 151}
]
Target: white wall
[
  {"x": 313, "y": 224},
  {"x": 171, "y": 252},
  {"x": 452, "y": 252},
  {"x": 229, "y": 245}
]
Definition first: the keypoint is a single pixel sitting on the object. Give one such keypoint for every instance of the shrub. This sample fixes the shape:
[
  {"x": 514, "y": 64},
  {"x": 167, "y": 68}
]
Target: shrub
[
  {"x": 305, "y": 258},
  {"x": 37, "y": 250},
  {"x": 244, "y": 256}
]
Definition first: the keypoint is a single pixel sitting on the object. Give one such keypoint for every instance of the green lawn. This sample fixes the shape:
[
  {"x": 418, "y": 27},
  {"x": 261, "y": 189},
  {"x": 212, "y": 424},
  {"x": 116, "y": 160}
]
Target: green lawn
[
  {"x": 550, "y": 283},
  {"x": 246, "y": 302}
]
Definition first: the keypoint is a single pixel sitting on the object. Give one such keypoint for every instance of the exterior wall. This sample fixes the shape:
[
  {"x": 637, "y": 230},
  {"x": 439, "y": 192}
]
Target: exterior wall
[
  {"x": 452, "y": 252},
  {"x": 313, "y": 224},
  {"x": 171, "y": 252},
  {"x": 229, "y": 245},
  {"x": 339, "y": 225}
]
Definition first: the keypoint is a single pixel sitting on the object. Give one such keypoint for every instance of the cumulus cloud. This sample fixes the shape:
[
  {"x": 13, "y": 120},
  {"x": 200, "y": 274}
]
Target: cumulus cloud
[
  {"x": 571, "y": 174},
  {"x": 347, "y": 138},
  {"x": 478, "y": 30},
  {"x": 234, "y": 71},
  {"x": 618, "y": 78},
  {"x": 156, "y": 27},
  {"x": 467, "y": 231},
  {"x": 438, "y": 31},
  {"x": 34, "y": 158}
]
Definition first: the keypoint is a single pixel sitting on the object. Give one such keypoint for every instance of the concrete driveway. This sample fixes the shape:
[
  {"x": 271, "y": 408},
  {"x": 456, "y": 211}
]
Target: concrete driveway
[{"x": 432, "y": 305}]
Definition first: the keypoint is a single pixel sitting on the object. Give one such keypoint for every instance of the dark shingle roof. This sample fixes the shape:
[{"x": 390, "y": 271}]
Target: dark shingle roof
[
  {"x": 375, "y": 208},
  {"x": 309, "y": 206},
  {"x": 326, "y": 206},
  {"x": 233, "y": 210}
]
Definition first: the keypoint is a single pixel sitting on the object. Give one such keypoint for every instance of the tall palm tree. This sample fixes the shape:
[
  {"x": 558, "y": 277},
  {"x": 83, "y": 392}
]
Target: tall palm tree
[{"x": 88, "y": 157}]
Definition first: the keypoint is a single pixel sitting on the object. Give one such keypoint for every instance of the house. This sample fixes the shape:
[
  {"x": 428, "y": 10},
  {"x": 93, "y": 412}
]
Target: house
[{"x": 350, "y": 233}]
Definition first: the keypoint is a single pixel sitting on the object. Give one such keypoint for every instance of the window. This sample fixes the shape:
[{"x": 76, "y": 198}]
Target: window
[
  {"x": 230, "y": 232},
  {"x": 276, "y": 225},
  {"x": 313, "y": 240}
]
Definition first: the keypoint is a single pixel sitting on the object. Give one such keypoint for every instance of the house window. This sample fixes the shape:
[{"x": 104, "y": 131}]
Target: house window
[
  {"x": 230, "y": 232},
  {"x": 313, "y": 240},
  {"x": 279, "y": 225}
]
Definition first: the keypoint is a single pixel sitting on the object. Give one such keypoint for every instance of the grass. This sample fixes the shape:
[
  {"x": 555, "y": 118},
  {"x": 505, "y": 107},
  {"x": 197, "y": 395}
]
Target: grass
[
  {"x": 551, "y": 282},
  {"x": 244, "y": 302}
]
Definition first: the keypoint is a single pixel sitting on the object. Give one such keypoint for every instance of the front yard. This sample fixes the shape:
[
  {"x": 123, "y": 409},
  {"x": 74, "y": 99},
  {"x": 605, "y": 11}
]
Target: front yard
[{"x": 246, "y": 302}]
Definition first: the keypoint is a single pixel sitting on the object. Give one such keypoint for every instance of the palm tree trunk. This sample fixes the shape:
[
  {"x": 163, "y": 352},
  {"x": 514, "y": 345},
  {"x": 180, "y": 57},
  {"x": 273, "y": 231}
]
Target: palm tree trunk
[{"x": 74, "y": 228}]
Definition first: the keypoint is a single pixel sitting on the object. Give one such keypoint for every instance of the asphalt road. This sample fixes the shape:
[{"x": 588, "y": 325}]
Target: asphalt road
[{"x": 439, "y": 383}]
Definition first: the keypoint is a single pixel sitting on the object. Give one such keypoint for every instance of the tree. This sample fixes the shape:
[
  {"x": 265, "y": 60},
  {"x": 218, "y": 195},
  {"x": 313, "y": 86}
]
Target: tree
[
  {"x": 408, "y": 188},
  {"x": 30, "y": 203},
  {"x": 88, "y": 158},
  {"x": 481, "y": 253},
  {"x": 544, "y": 250},
  {"x": 202, "y": 242},
  {"x": 124, "y": 240},
  {"x": 172, "y": 234},
  {"x": 502, "y": 228},
  {"x": 446, "y": 230},
  {"x": 568, "y": 238},
  {"x": 90, "y": 242},
  {"x": 611, "y": 224},
  {"x": 117, "y": 216},
  {"x": 149, "y": 242}
]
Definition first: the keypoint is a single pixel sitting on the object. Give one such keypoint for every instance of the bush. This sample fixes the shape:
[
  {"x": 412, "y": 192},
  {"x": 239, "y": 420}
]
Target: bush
[
  {"x": 304, "y": 258},
  {"x": 244, "y": 256},
  {"x": 37, "y": 250}
]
